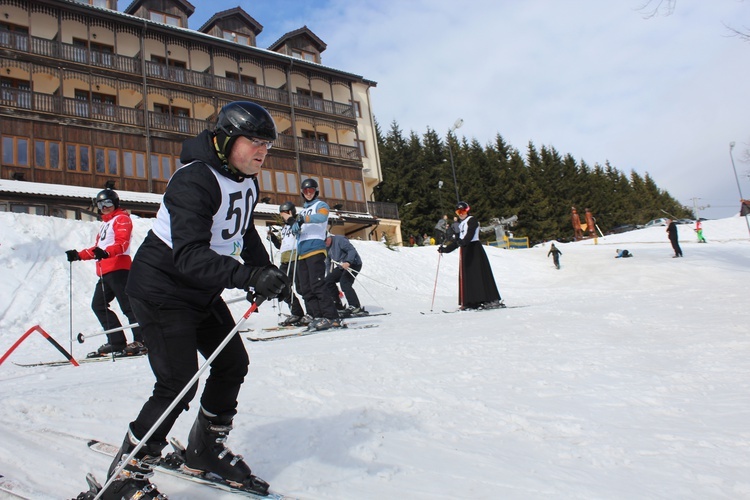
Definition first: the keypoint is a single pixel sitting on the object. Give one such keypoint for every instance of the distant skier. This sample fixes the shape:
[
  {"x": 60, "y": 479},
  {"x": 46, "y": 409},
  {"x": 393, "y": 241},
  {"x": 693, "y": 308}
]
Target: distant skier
[
  {"x": 673, "y": 238},
  {"x": 699, "y": 231},
  {"x": 622, "y": 254},
  {"x": 556, "y": 253}
]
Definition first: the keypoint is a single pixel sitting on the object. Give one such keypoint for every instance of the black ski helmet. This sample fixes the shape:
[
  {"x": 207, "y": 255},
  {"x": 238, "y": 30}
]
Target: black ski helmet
[
  {"x": 288, "y": 206},
  {"x": 463, "y": 206},
  {"x": 309, "y": 183},
  {"x": 242, "y": 118},
  {"x": 107, "y": 194}
]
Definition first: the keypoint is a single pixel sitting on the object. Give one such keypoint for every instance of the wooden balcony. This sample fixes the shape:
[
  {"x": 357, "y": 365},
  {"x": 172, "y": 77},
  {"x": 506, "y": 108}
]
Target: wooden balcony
[
  {"x": 134, "y": 66},
  {"x": 65, "y": 106}
]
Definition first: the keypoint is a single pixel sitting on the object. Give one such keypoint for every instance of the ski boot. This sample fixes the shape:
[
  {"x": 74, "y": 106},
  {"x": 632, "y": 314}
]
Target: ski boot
[
  {"x": 206, "y": 453},
  {"x": 133, "y": 482},
  {"x": 106, "y": 350},
  {"x": 291, "y": 321}
]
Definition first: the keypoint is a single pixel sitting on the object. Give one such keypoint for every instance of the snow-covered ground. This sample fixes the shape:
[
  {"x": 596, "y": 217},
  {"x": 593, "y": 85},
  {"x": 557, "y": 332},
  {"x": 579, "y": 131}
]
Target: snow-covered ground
[{"x": 622, "y": 378}]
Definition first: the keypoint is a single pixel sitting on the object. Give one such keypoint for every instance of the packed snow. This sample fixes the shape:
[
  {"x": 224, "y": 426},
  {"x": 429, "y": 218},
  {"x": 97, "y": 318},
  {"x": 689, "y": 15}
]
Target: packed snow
[{"x": 617, "y": 378}]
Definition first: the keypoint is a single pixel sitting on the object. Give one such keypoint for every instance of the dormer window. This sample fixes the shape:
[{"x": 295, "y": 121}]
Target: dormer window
[
  {"x": 304, "y": 55},
  {"x": 161, "y": 17},
  {"x": 236, "y": 37}
]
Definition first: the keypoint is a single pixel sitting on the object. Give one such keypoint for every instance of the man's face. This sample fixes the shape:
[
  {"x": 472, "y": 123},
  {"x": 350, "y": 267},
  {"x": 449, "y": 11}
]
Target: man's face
[
  {"x": 308, "y": 193},
  {"x": 248, "y": 155}
]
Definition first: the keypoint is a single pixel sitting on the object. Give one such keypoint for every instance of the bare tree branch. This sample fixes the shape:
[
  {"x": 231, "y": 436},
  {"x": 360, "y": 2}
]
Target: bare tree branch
[{"x": 652, "y": 8}]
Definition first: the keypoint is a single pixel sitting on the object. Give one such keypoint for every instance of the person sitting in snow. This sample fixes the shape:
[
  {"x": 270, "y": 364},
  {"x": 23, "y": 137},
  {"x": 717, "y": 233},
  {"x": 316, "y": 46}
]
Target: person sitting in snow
[{"x": 622, "y": 254}]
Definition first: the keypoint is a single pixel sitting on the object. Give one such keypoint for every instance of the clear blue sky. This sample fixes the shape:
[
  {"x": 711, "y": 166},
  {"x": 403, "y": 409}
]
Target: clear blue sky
[{"x": 595, "y": 79}]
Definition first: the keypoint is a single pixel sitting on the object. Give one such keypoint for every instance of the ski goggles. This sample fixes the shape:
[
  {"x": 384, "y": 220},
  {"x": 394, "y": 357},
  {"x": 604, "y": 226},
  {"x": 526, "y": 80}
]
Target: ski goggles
[
  {"x": 105, "y": 204},
  {"x": 461, "y": 212}
]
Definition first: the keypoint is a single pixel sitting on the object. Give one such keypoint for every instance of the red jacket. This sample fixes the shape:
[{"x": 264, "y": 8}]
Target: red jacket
[{"x": 114, "y": 238}]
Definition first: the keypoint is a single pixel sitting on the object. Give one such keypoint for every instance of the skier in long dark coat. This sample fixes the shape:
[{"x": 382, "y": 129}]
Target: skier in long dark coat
[
  {"x": 205, "y": 222},
  {"x": 673, "y": 239},
  {"x": 476, "y": 283}
]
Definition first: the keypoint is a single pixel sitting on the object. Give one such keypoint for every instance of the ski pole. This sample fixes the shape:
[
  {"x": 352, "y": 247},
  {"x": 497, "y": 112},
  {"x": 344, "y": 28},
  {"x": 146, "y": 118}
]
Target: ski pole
[
  {"x": 70, "y": 302},
  {"x": 434, "y": 289},
  {"x": 81, "y": 337},
  {"x": 253, "y": 307},
  {"x": 365, "y": 276},
  {"x": 270, "y": 251},
  {"x": 352, "y": 271}
]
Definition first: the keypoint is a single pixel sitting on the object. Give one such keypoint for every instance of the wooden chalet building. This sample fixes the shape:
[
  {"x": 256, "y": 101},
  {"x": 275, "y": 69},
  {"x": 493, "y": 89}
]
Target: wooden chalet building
[{"x": 93, "y": 97}]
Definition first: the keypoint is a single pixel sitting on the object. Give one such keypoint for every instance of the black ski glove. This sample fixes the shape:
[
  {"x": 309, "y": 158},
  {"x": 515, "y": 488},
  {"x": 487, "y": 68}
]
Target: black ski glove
[
  {"x": 267, "y": 282},
  {"x": 72, "y": 255},
  {"x": 100, "y": 254},
  {"x": 299, "y": 219}
]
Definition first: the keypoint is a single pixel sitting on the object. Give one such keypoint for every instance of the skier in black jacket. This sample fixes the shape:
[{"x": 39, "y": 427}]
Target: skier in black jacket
[
  {"x": 476, "y": 283},
  {"x": 188, "y": 258}
]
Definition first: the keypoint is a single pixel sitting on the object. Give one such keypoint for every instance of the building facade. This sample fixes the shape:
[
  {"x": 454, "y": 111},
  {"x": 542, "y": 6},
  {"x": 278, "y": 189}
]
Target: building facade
[{"x": 94, "y": 97}]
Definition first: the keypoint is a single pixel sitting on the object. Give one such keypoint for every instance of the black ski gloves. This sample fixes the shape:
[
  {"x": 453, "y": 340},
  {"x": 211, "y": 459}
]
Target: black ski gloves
[
  {"x": 100, "y": 254},
  {"x": 72, "y": 255},
  {"x": 299, "y": 219},
  {"x": 267, "y": 282}
]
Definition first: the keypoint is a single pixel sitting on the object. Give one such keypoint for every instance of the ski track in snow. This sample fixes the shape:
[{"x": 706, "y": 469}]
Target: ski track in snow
[{"x": 623, "y": 378}]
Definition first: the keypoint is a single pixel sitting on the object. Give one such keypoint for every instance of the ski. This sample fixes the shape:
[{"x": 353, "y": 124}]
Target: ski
[
  {"x": 13, "y": 489},
  {"x": 80, "y": 361},
  {"x": 305, "y": 333},
  {"x": 293, "y": 327},
  {"x": 172, "y": 465},
  {"x": 451, "y": 311}
]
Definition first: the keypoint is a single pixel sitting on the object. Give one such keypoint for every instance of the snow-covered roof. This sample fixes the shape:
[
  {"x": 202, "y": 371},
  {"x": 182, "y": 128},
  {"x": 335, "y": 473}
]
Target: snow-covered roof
[{"x": 86, "y": 193}]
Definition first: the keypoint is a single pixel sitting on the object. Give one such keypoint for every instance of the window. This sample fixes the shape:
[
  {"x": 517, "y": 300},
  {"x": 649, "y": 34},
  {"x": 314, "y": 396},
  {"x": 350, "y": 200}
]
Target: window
[
  {"x": 236, "y": 37},
  {"x": 310, "y": 99},
  {"x": 337, "y": 191},
  {"x": 95, "y": 3},
  {"x": 14, "y": 36},
  {"x": 106, "y": 161},
  {"x": 354, "y": 191},
  {"x": 161, "y": 167},
  {"x": 362, "y": 148},
  {"x": 286, "y": 182},
  {"x": 134, "y": 164},
  {"x": 15, "y": 93},
  {"x": 77, "y": 157},
  {"x": 47, "y": 154},
  {"x": 357, "y": 109},
  {"x": 103, "y": 104},
  {"x": 304, "y": 55},
  {"x": 321, "y": 142},
  {"x": 265, "y": 181},
  {"x": 161, "y": 17},
  {"x": 15, "y": 151}
]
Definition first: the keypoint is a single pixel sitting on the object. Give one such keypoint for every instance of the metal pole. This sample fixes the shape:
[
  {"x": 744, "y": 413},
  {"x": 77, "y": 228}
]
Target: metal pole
[
  {"x": 736, "y": 178},
  {"x": 453, "y": 169}
]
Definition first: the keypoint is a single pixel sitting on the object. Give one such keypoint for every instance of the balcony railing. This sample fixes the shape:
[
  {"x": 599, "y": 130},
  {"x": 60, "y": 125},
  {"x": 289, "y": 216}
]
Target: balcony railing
[
  {"x": 133, "y": 65},
  {"x": 383, "y": 209},
  {"x": 66, "y": 106}
]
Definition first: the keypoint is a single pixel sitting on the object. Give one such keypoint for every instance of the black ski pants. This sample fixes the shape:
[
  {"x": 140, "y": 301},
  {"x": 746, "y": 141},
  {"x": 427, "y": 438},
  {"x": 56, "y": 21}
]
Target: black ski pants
[
  {"x": 109, "y": 287},
  {"x": 173, "y": 336},
  {"x": 340, "y": 275},
  {"x": 312, "y": 286}
]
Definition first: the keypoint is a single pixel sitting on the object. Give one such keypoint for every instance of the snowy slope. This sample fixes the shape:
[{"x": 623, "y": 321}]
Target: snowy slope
[{"x": 623, "y": 378}]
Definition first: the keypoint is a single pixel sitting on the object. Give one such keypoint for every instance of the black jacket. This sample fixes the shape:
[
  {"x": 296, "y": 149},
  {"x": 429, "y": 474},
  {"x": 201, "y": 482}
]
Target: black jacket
[{"x": 191, "y": 272}]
